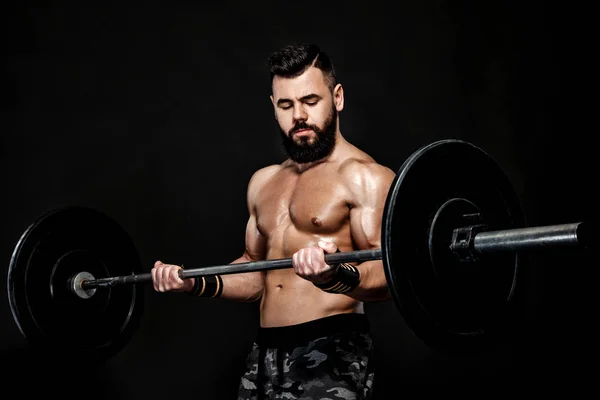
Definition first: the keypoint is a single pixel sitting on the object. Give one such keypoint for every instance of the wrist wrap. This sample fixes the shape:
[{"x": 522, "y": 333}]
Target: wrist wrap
[
  {"x": 207, "y": 286},
  {"x": 345, "y": 279}
]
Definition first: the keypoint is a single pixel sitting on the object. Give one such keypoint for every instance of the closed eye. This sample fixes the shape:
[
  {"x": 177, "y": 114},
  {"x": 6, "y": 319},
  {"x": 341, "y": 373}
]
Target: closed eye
[{"x": 310, "y": 99}]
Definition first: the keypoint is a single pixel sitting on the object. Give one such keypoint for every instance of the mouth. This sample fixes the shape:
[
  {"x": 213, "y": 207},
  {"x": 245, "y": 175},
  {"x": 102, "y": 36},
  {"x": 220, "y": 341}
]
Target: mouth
[{"x": 302, "y": 132}]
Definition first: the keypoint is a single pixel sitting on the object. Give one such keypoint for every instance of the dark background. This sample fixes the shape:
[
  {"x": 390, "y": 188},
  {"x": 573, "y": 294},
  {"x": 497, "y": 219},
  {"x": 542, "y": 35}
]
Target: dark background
[{"x": 158, "y": 115}]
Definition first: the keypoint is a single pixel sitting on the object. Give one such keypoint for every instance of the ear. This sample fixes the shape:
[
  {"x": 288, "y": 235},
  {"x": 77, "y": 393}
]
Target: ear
[{"x": 338, "y": 97}]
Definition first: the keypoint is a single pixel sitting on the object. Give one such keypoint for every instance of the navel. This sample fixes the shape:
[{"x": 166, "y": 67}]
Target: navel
[
  {"x": 279, "y": 286},
  {"x": 316, "y": 221}
]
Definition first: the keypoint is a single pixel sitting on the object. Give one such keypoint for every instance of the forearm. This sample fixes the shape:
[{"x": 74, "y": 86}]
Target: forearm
[
  {"x": 373, "y": 283},
  {"x": 241, "y": 287}
]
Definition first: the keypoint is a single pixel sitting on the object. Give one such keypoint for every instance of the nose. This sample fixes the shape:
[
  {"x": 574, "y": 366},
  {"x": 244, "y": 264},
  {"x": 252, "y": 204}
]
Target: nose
[{"x": 299, "y": 113}]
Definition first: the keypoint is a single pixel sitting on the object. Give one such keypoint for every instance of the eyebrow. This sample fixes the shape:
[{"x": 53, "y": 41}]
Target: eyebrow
[{"x": 308, "y": 97}]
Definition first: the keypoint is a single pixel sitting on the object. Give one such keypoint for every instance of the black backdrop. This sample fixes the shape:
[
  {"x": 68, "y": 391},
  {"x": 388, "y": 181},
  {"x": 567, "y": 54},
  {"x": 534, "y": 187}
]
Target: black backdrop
[{"x": 157, "y": 115}]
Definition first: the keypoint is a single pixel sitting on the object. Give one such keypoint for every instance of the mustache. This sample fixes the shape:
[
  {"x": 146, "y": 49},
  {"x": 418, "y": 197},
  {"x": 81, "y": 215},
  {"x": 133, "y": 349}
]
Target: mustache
[{"x": 303, "y": 125}]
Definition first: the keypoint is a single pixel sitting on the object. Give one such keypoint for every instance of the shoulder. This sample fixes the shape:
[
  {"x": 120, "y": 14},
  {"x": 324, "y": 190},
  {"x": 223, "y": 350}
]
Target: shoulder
[
  {"x": 363, "y": 170},
  {"x": 264, "y": 173},
  {"x": 366, "y": 180},
  {"x": 262, "y": 176}
]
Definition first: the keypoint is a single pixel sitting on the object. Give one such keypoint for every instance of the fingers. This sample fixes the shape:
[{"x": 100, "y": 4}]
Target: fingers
[
  {"x": 309, "y": 262},
  {"x": 306, "y": 259},
  {"x": 165, "y": 277},
  {"x": 154, "y": 279},
  {"x": 298, "y": 266},
  {"x": 303, "y": 263},
  {"x": 328, "y": 247}
]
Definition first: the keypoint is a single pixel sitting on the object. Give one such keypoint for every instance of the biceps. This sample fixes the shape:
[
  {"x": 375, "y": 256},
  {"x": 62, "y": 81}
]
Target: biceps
[
  {"x": 255, "y": 242},
  {"x": 365, "y": 225}
]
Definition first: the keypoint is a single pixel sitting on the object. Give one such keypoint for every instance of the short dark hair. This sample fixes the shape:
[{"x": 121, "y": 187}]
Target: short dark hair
[{"x": 292, "y": 60}]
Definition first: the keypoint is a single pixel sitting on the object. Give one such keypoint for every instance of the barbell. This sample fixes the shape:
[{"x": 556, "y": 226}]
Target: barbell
[{"x": 453, "y": 233}]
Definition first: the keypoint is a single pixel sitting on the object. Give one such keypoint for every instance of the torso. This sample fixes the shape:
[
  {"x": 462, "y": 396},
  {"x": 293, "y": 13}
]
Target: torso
[{"x": 293, "y": 210}]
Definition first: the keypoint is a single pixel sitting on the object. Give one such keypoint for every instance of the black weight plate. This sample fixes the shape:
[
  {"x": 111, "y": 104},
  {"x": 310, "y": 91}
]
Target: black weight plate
[
  {"x": 452, "y": 306},
  {"x": 53, "y": 249}
]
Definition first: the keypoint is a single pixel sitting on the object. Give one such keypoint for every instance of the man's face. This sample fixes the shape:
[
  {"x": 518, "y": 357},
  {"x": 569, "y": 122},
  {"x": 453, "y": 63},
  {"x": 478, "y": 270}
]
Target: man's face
[{"x": 307, "y": 115}]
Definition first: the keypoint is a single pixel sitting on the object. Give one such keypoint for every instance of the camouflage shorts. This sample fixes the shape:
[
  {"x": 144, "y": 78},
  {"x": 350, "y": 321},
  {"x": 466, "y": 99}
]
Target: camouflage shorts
[{"x": 323, "y": 359}]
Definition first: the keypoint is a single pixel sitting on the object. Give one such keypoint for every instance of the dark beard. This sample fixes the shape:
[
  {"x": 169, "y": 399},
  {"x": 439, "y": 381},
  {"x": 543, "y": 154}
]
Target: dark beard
[{"x": 305, "y": 152}]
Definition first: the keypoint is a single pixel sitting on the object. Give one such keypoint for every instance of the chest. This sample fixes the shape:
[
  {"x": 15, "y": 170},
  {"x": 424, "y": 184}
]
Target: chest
[{"x": 309, "y": 202}]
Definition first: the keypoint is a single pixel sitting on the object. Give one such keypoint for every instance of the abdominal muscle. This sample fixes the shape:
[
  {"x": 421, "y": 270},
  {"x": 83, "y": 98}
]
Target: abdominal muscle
[{"x": 289, "y": 299}]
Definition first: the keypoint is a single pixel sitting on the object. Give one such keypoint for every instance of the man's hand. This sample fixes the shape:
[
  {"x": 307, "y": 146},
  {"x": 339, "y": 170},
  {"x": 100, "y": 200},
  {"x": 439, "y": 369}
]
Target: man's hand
[
  {"x": 309, "y": 262},
  {"x": 165, "y": 278}
]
